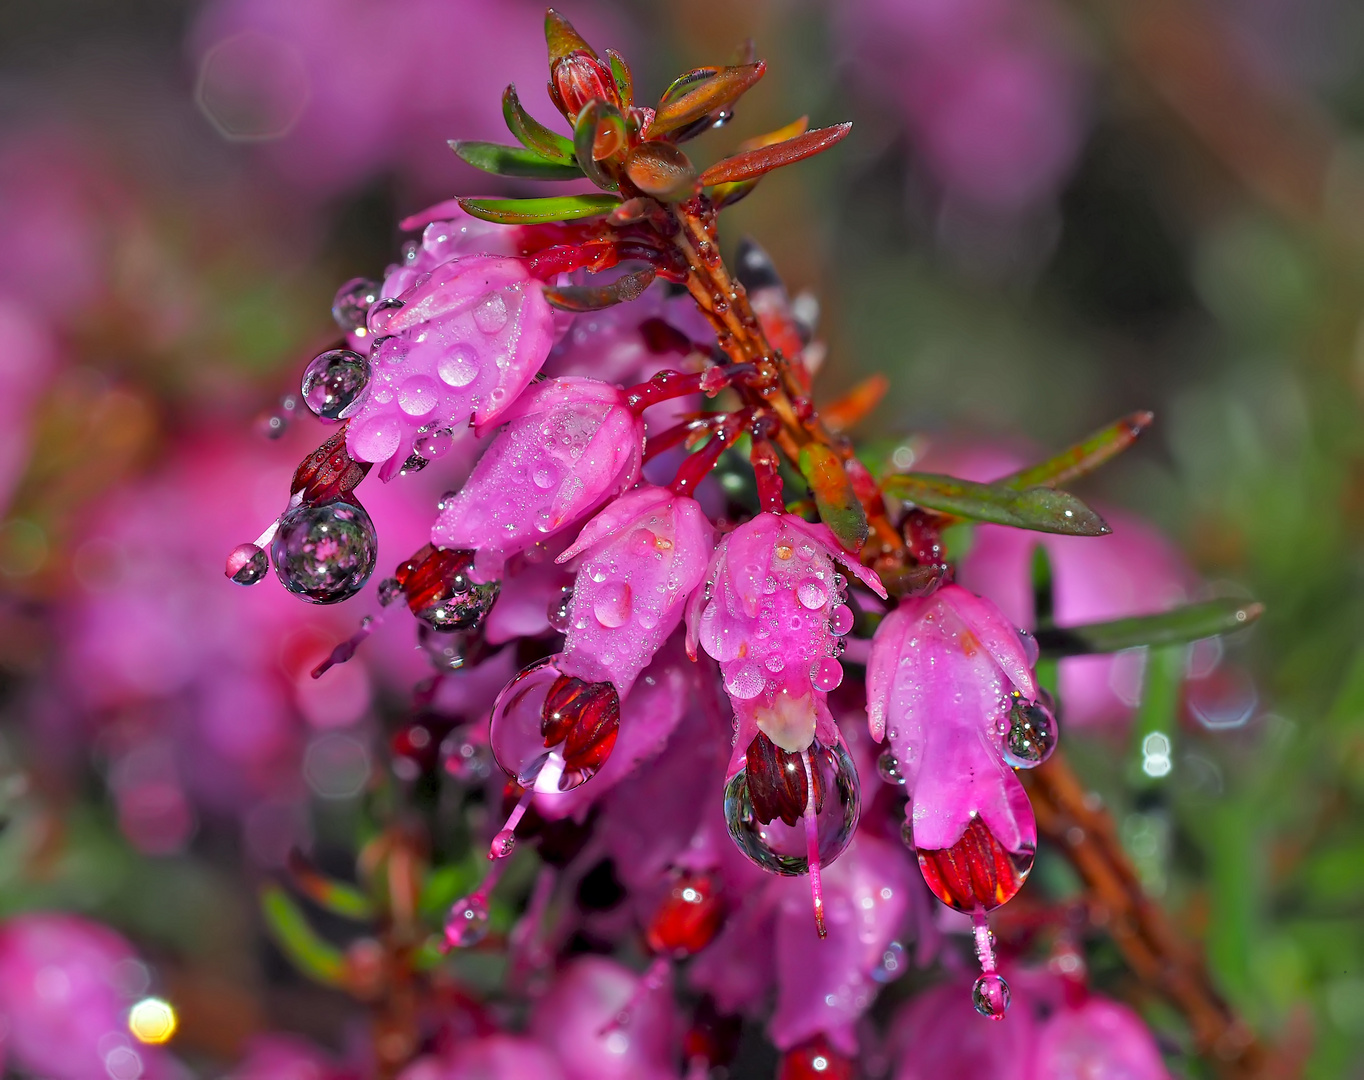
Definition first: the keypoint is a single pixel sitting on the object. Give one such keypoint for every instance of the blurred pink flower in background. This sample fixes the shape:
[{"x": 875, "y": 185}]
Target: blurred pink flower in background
[
  {"x": 66, "y": 985},
  {"x": 990, "y": 89},
  {"x": 342, "y": 91}
]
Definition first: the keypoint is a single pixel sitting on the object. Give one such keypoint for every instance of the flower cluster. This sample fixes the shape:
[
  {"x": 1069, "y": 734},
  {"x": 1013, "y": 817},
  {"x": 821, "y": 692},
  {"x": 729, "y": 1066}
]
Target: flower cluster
[{"x": 676, "y": 608}]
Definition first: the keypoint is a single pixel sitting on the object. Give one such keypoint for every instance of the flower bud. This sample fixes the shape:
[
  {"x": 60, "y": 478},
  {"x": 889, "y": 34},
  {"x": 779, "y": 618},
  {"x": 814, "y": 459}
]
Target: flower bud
[{"x": 579, "y": 78}]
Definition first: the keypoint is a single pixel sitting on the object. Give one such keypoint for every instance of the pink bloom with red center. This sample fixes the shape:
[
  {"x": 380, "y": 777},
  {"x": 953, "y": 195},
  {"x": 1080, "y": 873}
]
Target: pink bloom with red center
[
  {"x": 465, "y": 342},
  {"x": 64, "y": 996},
  {"x": 568, "y": 444},
  {"x": 948, "y": 683},
  {"x": 772, "y": 614},
  {"x": 1097, "y": 1038},
  {"x": 574, "y": 1020}
]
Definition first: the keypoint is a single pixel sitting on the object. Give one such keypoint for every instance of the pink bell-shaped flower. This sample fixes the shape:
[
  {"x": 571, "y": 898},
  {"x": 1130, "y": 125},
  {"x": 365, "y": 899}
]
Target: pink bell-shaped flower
[
  {"x": 773, "y": 614},
  {"x": 459, "y": 345},
  {"x": 640, "y": 559},
  {"x": 569, "y": 443},
  {"x": 1097, "y": 1038},
  {"x": 490, "y": 1057},
  {"x": 574, "y": 1020},
  {"x": 950, "y": 685}
]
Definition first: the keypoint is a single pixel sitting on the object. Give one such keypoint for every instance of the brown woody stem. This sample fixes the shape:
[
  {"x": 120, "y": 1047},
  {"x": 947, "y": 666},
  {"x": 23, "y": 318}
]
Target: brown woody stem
[{"x": 1074, "y": 819}]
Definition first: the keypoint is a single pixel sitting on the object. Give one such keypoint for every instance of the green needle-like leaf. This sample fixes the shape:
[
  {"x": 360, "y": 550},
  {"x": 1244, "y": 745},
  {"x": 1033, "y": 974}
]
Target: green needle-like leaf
[
  {"x": 1085, "y": 456},
  {"x": 338, "y": 897},
  {"x": 532, "y": 134},
  {"x": 835, "y": 499},
  {"x": 750, "y": 164},
  {"x": 513, "y": 161},
  {"x": 539, "y": 211},
  {"x": 700, "y": 93},
  {"x": 562, "y": 39},
  {"x": 318, "y": 959},
  {"x": 1038, "y": 508},
  {"x": 598, "y": 133},
  {"x": 1191, "y": 623},
  {"x": 624, "y": 80}
]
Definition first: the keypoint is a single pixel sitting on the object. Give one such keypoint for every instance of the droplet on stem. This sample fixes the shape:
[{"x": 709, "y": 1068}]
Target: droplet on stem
[
  {"x": 333, "y": 382},
  {"x": 247, "y": 564},
  {"x": 325, "y": 553}
]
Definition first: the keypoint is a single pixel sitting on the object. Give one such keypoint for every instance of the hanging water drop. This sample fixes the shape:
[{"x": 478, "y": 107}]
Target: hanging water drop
[
  {"x": 1032, "y": 733},
  {"x": 325, "y": 553},
  {"x": 352, "y": 303},
  {"x": 773, "y": 792},
  {"x": 247, "y": 564},
  {"x": 990, "y": 996},
  {"x": 888, "y": 766},
  {"x": 827, "y": 674},
  {"x": 333, "y": 383},
  {"x": 560, "y": 611},
  {"x": 381, "y": 313}
]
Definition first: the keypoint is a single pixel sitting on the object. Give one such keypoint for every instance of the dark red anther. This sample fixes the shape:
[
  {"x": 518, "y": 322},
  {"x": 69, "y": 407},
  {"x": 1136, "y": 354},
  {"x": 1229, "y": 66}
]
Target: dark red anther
[
  {"x": 688, "y": 918},
  {"x": 594, "y": 255},
  {"x": 776, "y": 782},
  {"x": 585, "y": 717},
  {"x": 579, "y": 78},
  {"x": 923, "y": 537},
  {"x": 976, "y": 873},
  {"x": 815, "y": 1059},
  {"x": 432, "y": 575},
  {"x": 329, "y": 472}
]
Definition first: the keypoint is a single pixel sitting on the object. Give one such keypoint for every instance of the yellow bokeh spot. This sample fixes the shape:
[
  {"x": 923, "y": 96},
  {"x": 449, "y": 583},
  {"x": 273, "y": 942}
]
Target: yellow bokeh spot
[{"x": 152, "y": 1021}]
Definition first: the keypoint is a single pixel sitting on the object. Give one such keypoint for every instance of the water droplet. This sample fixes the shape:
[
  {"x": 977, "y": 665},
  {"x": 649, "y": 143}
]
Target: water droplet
[
  {"x": 1031, "y": 649},
  {"x": 352, "y": 303},
  {"x": 1031, "y": 735},
  {"x": 490, "y": 315},
  {"x": 841, "y": 620},
  {"x": 377, "y": 439},
  {"x": 325, "y": 553},
  {"x": 468, "y": 922},
  {"x": 247, "y": 564},
  {"x": 458, "y": 366},
  {"x": 746, "y": 681},
  {"x": 827, "y": 674},
  {"x": 612, "y": 604},
  {"x": 544, "y": 476},
  {"x": 888, "y": 766},
  {"x": 907, "y": 834},
  {"x": 504, "y": 843},
  {"x": 333, "y": 383},
  {"x": 781, "y": 848},
  {"x": 783, "y": 551},
  {"x": 990, "y": 995},
  {"x": 560, "y": 612},
  {"x": 812, "y": 593},
  {"x": 381, "y": 313},
  {"x": 389, "y": 590},
  {"x": 434, "y": 444},
  {"x": 418, "y": 395}
]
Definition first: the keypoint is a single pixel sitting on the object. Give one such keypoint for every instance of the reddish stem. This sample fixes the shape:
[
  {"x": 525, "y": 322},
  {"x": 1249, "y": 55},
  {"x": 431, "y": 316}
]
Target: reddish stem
[
  {"x": 698, "y": 466},
  {"x": 668, "y": 385},
  {"x": 766, "y": 471}
]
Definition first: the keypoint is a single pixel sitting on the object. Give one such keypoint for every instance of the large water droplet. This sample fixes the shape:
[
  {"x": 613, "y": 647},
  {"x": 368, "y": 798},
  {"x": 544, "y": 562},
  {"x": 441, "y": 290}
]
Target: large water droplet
[
  {"x": 827, "y": 674},
  {"x": 888, "y": 767},
  {"x": 490, "y": 314},
  {"x": 1032, "y": 734},
  {"x": 377, "y": 438},
  {"x": 333, "y": 382},
  {"x": 247, "y": 564},
  {"x": 612, "y": 605},
  {"x": 458, "y": 366},
  {"x": 746, "y": 681},
  {"x": 325, "y": 553},
  {"x": 381, "y": 313},
  {"x": 418, "y": 395},
  {"x": 781, "y": 848},
  {"x": 352, "y": 303},
  {"x": 990, "y": 995},
  {"x": 812, "y": 593},
  {"x": 841, "y": 620},
  {"x": 468, "y": 922},
  {"x": 560, "y": 613}
]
